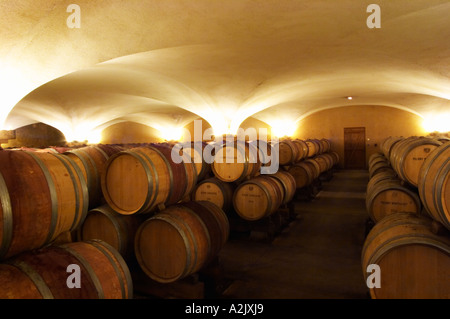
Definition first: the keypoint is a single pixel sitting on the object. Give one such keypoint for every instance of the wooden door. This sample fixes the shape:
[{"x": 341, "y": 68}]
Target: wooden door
[{"x": 355, "y": 148}]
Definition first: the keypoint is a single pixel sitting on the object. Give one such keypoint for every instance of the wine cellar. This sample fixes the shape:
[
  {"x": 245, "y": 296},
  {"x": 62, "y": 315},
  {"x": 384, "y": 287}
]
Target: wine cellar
[{"x": 225, "y": 150}]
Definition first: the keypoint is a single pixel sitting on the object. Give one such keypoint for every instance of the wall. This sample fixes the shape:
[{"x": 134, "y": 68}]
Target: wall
[
  {"x": 191, "y": 127},
  {"x": 258, "y": 125},
  {"x": 38, "y": 135},
  {"x": 130, "y": 132},
  {"x": 379, "y": 121}
]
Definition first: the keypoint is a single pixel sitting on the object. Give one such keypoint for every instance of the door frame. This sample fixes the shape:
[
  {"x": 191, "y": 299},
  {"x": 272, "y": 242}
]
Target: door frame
[{"x": 362, "y": 129}]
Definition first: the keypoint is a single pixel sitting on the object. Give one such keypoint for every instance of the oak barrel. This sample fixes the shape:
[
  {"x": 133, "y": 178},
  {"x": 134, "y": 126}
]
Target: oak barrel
[
  {"x": 381, "y": 176},
  {"x": 257, "y": 198},
  {"x": 216, "y": 191},
  {"x": 379, "y": 165},
  {"x": 43, "y": 273},
  {"x": 375, "y": 157},
  {"x": 288, "y": 152},
  {"x": 314, "y": 147},
  {"x": 42, "y": 195},
  {"x": 111, "y": 227},
  {"x": 196, "y": 152},
  {"x": 92, "y": 162},
  {"x": 314, "y": 165},
  {"x": 235, "y": 161},
  {"x": 407, "y": 157},
  {"x": 303, "y": 174},
  {"x": 137, "y": 181},
  {"x": 180, "y": 240},
  {"x": 390, "y": 196},
  {"x": 288, "y": 183},
  {"x": 414, "y": 262},
  {"x": 335, "y": 156},
  {"x": 434, "y": 184},
  {"x": 388, "y": 143},
  {"x": 181, "y": 174}
]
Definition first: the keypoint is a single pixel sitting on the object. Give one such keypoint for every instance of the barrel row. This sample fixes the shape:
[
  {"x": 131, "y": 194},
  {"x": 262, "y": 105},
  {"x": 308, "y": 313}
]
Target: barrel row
[
  {"x": 44, "y": 194},
  {"x": 308, "y": 170},
  {"x": 386, "y": 194},
  {"x": 77, "y": 270},
  {"x": 412, "y": 256},
  {"x": 168, "y": 245},
  {"x": 434, "y": 184},
  {"x": 413, "y": 261},
  {"x": 422, "y": 163},
  {"x": 294, "y": 150},
  {"x": 253, "y": 199},
  {"x": 406, "y": 155}
]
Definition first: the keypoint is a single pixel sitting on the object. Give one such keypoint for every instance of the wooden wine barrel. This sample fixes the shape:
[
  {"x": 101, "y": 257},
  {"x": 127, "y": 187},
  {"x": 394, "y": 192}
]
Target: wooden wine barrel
[
  {"x": 388, "y": 143},
  {"x": 330, "y": 160},
  {"x": 137, "y": 181},
  {"x": 326, "y": 145},
  {"x": 235, "y": 162},
  {"x": 414, "y": 262},
  {"x": 43, "y": 273},
  {"x": 303, "y": 174},
  {"x": 181, "y": 177},
  {"x": 323, "y": 162},
  {"x": 110, "y": 149},
  {"x": 180, "y": 240},
  {"x": 289, "y": 185},
  {"x": 302, "y": 149},
  {"x": 216, "y": 191},
  {"x": 117, "y": 230},
  {"x": 41, "y": 196},
  {"x": 266, "y": 152},
  {"x": 387, "y": 174},
  {"x": 191, "y": 175},
  {"x": 390, "y": 196},
  {"x": 257, "y": 198},
  {"x": 92, "y": 162},
  {"x": 215, "y": 220},
  {"x": 196, "y": 150},
  {"x": 376, "y": 157},
  {"x": 407, "y": 157},
  {"x": 379, "y": 166},
  {"x": 443, "y": 139},
  {"x": 335, "y": 156},
  {"x": 434, "y": 184},
  {"x": 288, "y": 152},
  {"x": 313, "y": 147},
  {"x": 315, "y": 167}
]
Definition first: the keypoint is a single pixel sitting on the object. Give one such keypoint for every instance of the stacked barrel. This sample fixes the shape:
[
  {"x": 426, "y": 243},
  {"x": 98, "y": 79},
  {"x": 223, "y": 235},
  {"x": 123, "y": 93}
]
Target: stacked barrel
[
  {"x": 44, "y": 197},
  {"x": 397, "y": 173},
  {"x": 239, "y": 184},
  {"x": 408, "y": 199},
  {"x": 148, "y": 214},
  {"x": 307, "y": 160}
]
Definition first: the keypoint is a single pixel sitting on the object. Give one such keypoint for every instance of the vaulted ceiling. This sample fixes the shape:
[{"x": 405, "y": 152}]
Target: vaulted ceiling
[{"x": 166, "y": 63}]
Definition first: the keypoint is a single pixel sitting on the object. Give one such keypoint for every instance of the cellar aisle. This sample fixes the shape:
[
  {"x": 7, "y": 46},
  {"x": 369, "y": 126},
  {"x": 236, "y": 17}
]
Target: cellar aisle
[{"x": 317, "y": 256}]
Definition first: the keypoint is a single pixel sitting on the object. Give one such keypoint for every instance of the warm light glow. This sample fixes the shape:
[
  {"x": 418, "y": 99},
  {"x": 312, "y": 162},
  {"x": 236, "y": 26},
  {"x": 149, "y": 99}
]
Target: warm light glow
[
  {"x": 283, "y": 128},
  {"x": 83, "y": 133},
  {"x": 220, "y": 125},
  {"x": 437, "y": 123},
  {"x": 349, "y": 98},
  {"x": 171, "y": 133}
]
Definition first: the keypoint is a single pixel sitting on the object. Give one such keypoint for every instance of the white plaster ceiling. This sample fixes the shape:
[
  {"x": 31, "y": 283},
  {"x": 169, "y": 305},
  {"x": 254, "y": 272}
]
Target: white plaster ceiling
[{"x": 166, "y": 63}]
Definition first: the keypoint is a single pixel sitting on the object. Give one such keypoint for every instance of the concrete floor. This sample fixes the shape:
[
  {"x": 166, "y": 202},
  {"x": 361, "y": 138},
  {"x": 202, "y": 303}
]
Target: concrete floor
[{"x": 316, "y": 256}]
